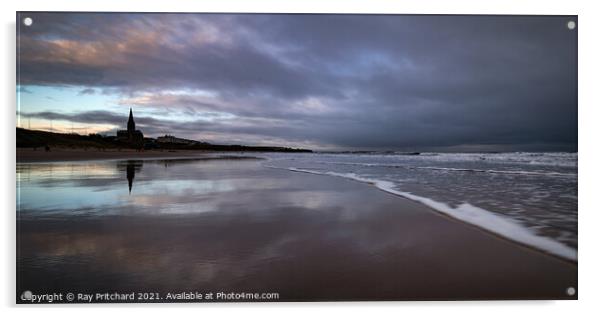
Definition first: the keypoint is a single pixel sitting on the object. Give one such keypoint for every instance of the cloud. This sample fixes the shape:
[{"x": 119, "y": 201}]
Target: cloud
[
  {"x": 87, "y": 91},
  {"x": 357, "y": 81},
  {"x": 259, "y": 131}
]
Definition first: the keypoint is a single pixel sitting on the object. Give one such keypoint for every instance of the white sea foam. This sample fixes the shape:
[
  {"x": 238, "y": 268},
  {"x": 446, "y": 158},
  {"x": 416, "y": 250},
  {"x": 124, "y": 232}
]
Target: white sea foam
[
  {"x": 524, "y": 158},
  {"x": 497, "y": 224},
  {"x": 515, "y": 172}
]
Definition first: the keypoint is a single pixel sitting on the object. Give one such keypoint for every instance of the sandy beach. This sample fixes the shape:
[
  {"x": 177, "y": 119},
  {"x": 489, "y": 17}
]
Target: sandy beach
[
  {"x": 306, "y": 237},
  {"x": 67, "y": 154}
]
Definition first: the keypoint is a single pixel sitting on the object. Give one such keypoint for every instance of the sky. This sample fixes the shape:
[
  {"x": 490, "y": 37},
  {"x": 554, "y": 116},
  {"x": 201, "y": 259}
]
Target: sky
[{"x": 324, "y": 82}]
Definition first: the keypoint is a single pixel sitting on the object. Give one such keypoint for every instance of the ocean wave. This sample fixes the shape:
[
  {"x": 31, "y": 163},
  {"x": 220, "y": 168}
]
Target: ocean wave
[
  {"x": 514, "y": 172},
  {"x": 520, "y": 158},
  {"x": 517, "y": 172},
  {"x": 484, "y": 219}
]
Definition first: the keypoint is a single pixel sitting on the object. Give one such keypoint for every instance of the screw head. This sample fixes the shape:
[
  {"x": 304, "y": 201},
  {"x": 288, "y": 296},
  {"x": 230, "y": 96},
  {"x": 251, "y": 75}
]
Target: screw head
[
  {"x": 571, "y": 25},
  {"x": 570, "y": 291}
]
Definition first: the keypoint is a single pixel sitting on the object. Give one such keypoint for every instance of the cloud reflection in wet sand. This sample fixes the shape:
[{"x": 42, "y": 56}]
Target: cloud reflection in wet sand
[
  {"x": 225, "y": 225},
  {"x": 128, "y": 247}
]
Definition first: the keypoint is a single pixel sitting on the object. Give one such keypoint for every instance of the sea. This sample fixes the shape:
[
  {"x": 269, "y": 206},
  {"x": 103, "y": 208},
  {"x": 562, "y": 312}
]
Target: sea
[{"x": 526, "y": 197}]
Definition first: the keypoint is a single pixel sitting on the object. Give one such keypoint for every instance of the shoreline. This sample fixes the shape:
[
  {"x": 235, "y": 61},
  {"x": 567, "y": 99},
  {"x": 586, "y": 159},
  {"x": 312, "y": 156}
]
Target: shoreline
[
  {"x": 309, "y": 238},
  {"x": 26, "y": 156},
  {"x": 550, "y": 247}
]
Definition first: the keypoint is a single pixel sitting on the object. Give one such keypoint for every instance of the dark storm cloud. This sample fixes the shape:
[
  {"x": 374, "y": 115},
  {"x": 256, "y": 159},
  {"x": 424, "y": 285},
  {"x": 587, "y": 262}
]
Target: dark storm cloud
[
  {"x": 155, "y": 52},
  {"x": 403, "y": 82},
  {"x": 93, "y": 117}
]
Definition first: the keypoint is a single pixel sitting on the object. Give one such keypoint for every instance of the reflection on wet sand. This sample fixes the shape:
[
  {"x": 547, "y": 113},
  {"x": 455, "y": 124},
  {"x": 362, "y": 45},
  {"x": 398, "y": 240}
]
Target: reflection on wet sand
[
  {"x": 226, "y": 225},
  {"x": 131, "y": 167},
  {"x": 166, "y": 186}
]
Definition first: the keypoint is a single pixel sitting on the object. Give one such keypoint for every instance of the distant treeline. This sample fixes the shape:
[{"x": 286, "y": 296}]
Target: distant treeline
[{"x": 33, "y": 138}]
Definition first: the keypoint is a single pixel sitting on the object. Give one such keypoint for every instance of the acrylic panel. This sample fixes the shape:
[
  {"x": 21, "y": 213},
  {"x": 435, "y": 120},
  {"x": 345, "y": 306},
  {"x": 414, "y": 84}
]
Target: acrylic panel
[{"x": 193, "y": 157}]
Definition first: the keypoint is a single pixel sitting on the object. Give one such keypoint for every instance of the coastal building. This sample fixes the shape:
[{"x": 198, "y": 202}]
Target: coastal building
[
  {"x": 130, "y": 136},
  {"x": 169, "y": 139}
]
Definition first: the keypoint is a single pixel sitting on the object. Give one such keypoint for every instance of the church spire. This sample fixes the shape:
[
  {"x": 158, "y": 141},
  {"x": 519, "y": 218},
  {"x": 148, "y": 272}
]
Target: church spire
[{"x": 131, "y": 124}]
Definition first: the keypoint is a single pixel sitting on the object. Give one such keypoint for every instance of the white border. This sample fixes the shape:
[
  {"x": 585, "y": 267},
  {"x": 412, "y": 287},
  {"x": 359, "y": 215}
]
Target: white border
[{"x": 590, "y": 157}]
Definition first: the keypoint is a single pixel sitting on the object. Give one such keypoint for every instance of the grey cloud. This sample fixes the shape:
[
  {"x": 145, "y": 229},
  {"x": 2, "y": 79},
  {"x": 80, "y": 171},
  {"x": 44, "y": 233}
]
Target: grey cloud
[
  {"x": 195, "y": 129},
  {"x": 87, "y": 91},
  {"x": 387, "y": 81}
]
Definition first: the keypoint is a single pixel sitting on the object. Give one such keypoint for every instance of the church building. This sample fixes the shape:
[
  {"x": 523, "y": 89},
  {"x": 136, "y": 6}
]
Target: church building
[{"x": 131, "y": 136}]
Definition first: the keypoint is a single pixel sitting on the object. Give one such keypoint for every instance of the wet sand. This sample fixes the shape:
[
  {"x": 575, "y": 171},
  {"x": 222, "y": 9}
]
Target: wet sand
[
  {"x": 64, "y": 154},
  {"x": 306, "y": 237}
]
